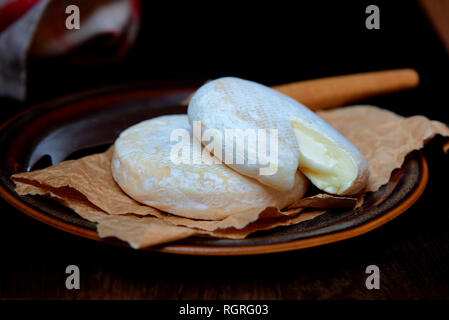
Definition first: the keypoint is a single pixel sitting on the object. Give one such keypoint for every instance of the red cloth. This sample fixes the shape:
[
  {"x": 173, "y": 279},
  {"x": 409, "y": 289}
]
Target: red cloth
[
  {"x": 34, "y": 29},
  {"x": 10, "y": 11}
]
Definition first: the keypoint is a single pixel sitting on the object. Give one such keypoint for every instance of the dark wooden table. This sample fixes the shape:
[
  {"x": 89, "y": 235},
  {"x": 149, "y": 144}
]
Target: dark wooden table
[{"x": 411, "y": 251}]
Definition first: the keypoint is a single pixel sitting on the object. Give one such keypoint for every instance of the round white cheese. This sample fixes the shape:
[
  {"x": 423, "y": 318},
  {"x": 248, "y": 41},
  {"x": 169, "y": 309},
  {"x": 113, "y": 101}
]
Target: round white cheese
[
  {"x": 305, "y": 141},
  {"x": 143, "y": 166}
]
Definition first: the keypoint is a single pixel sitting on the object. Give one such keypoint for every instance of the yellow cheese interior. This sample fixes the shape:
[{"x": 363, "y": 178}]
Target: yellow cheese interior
[{"x": 328, "y": 166}]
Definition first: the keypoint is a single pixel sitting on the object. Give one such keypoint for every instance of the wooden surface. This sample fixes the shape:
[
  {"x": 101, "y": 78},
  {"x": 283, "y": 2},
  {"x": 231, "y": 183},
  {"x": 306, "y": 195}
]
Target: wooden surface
[
  {"x": 438, "y": 14},
  {"x": 411, "y": 251}
]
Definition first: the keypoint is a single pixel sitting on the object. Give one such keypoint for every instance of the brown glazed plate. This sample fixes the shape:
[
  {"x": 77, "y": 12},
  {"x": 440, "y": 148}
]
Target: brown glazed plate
[{"x": 89, "y": 122}]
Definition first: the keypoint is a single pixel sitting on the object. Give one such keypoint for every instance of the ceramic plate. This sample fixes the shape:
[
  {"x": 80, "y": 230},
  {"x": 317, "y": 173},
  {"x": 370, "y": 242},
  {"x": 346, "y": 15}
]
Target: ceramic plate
[{"x": 89, "y": 122}]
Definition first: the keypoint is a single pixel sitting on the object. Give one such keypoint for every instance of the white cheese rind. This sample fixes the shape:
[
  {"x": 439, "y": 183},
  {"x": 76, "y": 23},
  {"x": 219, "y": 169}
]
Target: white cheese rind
[
  {"x": 142, "y": 167},
  {"x": 229, "y": 103}
]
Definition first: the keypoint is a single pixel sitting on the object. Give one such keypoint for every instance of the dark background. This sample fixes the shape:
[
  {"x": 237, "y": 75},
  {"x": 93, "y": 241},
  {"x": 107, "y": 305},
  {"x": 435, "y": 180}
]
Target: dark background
[{"x": 272, "y": 44}]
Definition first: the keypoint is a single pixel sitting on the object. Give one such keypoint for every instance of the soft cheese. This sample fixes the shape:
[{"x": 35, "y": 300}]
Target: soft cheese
[
  {"x": 306, "y": 141},
  {"x": 142, "y": 167},
  {"x": 332, "y": 165}
]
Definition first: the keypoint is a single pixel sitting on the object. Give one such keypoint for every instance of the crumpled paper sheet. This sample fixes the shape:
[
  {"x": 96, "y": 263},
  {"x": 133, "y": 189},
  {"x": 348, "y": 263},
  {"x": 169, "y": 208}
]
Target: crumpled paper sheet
[
  {"x": 91, "y": 176},
  {"x": 382, "y": 136},
  {"x": 144, "y": 231},
  {"x": 137, "y": 232}
]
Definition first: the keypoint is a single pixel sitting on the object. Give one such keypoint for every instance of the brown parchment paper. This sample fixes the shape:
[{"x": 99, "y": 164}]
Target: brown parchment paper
[
  {"x": 91, "y": 176},
  {"x": 144, "y": 231},
  {"x": 86, "y": 185},
  {"x": 383, "y": 137}
]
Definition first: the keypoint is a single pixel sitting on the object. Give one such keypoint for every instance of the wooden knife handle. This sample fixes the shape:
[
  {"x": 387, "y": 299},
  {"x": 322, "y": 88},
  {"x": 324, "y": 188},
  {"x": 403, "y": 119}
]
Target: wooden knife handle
[{"x": 336, "y": 91}]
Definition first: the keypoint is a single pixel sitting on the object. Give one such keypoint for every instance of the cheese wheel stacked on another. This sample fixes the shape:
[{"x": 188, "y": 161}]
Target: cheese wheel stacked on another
[{"x": 306, "y": 141}]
